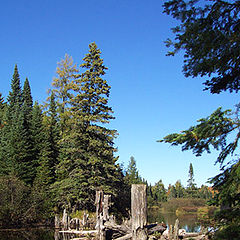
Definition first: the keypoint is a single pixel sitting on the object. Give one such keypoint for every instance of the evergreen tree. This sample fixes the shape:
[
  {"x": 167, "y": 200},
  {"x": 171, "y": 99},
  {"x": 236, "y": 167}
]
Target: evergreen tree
[
  {"x": 3, "y": 140},
  {"x": 159, "y": 192},
  {"x": 15, "y": 95},
  {"x": 209, "y": 36},
  {"x": 86, "y": 157},
  {"x": 27, "y": 103},
  {"x": 49, "y": 151},
  {"x": 13, "y": 131},
  {"x": 190, "y": 181},
  {"x": 132, "y": 174},
  {"x": 64, "y": 87}
]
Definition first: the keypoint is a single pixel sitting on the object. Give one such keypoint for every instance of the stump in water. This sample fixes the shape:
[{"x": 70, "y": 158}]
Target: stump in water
[{"x": 139, "y": 211}]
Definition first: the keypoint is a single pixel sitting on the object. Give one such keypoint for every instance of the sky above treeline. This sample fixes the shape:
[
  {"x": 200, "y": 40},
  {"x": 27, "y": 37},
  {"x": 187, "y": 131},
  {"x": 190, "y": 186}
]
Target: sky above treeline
[{"x": 150, "y": 96}]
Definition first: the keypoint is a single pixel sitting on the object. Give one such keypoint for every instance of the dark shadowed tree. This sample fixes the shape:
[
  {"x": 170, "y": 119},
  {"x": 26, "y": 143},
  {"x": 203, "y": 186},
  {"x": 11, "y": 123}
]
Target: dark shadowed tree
[{"x": 209, "y": 35}]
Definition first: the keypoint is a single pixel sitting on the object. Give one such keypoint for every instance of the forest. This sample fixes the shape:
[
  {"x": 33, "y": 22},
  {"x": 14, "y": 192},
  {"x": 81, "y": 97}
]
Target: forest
[{"x": 55, "y": 155}]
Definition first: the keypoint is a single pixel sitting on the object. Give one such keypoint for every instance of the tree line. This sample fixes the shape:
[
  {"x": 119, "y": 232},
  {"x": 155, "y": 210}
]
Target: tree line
[{"x": 158, "y": 193}]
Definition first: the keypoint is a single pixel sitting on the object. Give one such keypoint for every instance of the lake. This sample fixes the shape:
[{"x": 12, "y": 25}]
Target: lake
[{"x": 188, "y": 222}]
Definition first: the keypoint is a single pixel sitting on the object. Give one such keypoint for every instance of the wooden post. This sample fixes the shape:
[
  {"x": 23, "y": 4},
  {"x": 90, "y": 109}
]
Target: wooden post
[
  {"x": 139, "y": 211},
  {"x": 176, "y": 230}
]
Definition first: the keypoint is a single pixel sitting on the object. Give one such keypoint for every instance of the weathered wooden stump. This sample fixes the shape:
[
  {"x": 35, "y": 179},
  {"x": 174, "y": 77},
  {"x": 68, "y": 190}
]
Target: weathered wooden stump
[
  {"x": 65, "y": 220},
  {"x": 139, "y": 211},
  {"x": 57, "y": 221},
  {"x": 176, "y": 230},
  {"x": 102, "y": 214}
]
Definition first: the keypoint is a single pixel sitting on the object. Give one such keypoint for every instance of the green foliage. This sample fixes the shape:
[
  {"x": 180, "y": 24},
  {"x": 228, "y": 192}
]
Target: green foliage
[
  {"x": 173, "y": 204},
  {"x": 132, "y": 175},
  {"x": 14, "y": 200},
  {"x": 209, "y": 36},
  {"x": 211, "y": 131},
  {"x": 86, "y": 152}
]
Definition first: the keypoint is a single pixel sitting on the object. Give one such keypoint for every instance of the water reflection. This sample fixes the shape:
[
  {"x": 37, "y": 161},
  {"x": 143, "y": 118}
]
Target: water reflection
[
  {"x": 188, "y": 222},
  {"x": 35, "y": 234},
  {"x": 27, "y": 234}
]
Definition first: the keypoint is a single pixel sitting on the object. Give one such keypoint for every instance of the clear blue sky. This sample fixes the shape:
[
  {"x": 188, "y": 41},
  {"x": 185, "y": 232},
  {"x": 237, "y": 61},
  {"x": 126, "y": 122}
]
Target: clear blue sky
[{"x": 149, "y": 95}]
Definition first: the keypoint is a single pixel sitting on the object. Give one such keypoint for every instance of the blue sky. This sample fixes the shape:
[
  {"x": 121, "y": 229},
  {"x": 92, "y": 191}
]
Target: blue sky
[{"x": 149, "y": 95}]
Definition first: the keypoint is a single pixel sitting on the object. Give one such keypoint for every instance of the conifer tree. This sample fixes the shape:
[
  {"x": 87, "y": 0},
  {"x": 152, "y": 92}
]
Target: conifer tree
[
  {"x": 86, "y": 155},
  {"x": 63, "y": 87},
  {"x": 17, "y": 142},
  {"x": 27, "y": 102},
  {"x": 132, "y": 174},
  {"x": 12, "y": 133},
  {"x": 191, "y": 183},
  {"x": 48, "y": 154}
]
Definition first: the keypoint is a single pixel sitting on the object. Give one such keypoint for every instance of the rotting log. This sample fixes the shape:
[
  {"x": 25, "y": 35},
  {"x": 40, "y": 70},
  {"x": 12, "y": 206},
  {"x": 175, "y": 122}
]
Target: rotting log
[
  {"x": 139, "y": 211},
  {"x": 152, "y": 228}
]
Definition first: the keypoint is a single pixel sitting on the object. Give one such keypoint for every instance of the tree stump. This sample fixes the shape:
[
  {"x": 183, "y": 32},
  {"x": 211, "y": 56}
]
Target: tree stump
[
  {"x": 139, "y": 211},
  {"x": 57, "y": 221},
  {"x": 65, "y": 220},
  {"x": 176, "y": 230}
]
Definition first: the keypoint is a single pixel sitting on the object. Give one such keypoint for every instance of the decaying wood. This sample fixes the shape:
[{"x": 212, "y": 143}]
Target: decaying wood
[
  {"x": 139, "y": 211},
  {"x": 176, "y": 230},
  {"x": 192, "y": 235},
  {"x": 65, "y": 220},
  {"x": 127, "y": 236},
  {"x": 170, "y": 232},
  {"x": 102, "y": 214},
  {"x": 152, "y": 228},
  {"x": 57, "y": 221}
]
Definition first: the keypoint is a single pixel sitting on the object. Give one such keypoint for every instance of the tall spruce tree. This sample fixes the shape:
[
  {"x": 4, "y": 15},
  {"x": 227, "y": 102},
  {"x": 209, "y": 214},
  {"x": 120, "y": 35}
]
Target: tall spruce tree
[
  {"x": 87, "y": 159},
  {"x": 13, "y": 131}
]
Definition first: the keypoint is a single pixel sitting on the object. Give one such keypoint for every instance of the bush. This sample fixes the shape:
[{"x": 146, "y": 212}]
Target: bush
[{"x": 183, "y": 203}]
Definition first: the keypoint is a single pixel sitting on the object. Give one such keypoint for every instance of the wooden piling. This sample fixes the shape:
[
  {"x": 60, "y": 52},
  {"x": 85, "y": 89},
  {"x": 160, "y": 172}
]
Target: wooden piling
[{"x": 139, "y": 211}]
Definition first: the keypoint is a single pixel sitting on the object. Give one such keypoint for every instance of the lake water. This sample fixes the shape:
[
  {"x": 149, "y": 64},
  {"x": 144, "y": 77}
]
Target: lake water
[{"x": 188, "y": 222}]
